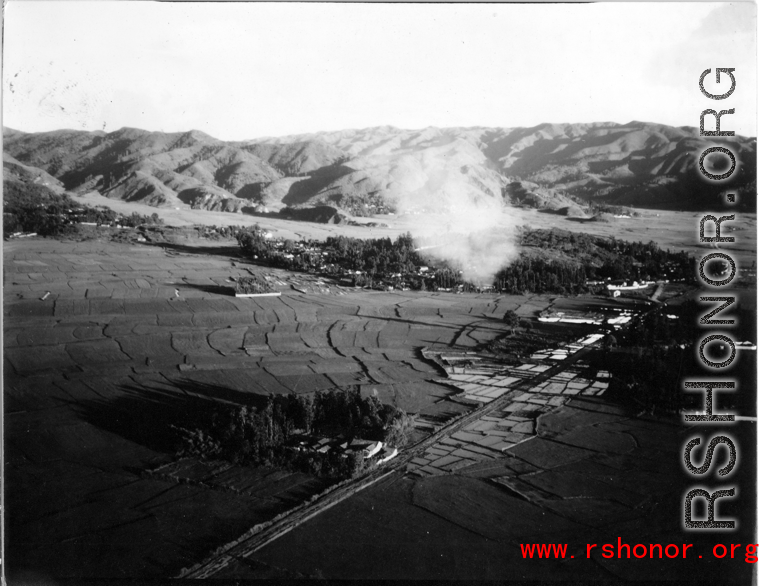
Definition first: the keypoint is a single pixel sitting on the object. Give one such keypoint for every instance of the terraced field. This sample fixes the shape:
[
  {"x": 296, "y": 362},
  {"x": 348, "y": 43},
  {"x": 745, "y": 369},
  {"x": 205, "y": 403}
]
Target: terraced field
[{"x": 106, "y": 344}]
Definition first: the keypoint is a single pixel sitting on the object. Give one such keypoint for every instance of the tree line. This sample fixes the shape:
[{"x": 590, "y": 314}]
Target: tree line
[
  {"x": 550, "y": 261},
  {"x": 35, "y": 208}
]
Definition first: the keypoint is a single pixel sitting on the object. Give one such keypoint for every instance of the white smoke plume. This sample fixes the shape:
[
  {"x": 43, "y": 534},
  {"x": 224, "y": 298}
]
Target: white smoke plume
[
  {"x": 472, "y": 231},
  {"x": 443, "y": 185}
]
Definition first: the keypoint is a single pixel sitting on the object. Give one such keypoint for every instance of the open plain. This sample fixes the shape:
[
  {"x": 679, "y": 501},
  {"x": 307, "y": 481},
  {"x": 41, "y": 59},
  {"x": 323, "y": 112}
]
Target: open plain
[{"x": 669, "y": 229}]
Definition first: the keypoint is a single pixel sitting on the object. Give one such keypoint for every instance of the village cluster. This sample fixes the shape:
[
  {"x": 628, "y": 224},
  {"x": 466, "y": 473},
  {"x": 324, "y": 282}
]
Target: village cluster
[{"x": 375, "y": 451}]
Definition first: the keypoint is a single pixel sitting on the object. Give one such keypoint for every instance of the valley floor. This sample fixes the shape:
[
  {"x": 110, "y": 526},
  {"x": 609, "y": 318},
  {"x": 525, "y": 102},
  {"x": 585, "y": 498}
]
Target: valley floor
[
  {"x": 104, "y": 343},
  {"x": 669, "y": 229}
]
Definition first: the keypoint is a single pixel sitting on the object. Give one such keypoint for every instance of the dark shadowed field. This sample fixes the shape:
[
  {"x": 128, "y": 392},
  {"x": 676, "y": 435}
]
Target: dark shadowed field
[{"x": 128, "y": 338}]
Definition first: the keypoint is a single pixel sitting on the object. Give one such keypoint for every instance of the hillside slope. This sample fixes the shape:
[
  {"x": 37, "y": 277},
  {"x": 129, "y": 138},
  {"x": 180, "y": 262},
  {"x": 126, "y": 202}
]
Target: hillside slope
[
  {"x": 389, "y": 169},
  {"x": 14, "y": 171}
]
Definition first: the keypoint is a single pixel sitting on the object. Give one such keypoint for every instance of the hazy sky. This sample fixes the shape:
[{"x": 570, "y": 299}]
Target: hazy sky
[{"x": 239, "y": 71}]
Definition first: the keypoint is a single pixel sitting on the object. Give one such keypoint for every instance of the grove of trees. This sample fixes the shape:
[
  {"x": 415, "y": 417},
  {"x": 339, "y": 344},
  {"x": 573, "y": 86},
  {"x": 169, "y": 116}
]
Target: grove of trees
[
  {"x": 264, "y": 436},
  {"x": 550, "y": 261},
  {"x": 35, "y": 208}
]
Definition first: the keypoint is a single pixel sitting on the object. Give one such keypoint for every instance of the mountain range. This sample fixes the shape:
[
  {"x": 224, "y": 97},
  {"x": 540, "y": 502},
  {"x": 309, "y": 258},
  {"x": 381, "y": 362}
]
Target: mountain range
[{"x": 386, "y": 169}]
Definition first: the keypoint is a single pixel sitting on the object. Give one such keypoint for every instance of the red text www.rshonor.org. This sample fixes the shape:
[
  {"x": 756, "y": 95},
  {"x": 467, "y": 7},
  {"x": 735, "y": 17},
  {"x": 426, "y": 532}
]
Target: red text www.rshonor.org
[{"x": 747, "y": 552}]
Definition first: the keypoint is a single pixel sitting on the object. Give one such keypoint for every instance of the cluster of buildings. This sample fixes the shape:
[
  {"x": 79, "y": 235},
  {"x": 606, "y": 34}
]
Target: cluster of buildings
[
  {"x": 623, "y": 316},
  {"x": 564, "y": 352},
  {"x": 368, "y": 449}
]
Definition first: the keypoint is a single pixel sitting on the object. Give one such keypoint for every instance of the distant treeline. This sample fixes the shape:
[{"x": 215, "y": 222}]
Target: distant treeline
[
  {"x": 377, "y": 255},
  {"x": 214, "y": 232},
  {"x": 550, "y": 261},
  {"x": 35, "y": 208},
  {"x": 572, "y": 259},
  {"x": 373, "y": 256},
  {"x": 265, "y": 436}
]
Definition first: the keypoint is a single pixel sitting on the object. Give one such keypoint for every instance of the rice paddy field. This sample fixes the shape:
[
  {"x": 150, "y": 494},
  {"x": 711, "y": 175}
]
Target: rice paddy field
[
  {"x": 105, "y": 343},
  {"x": 591, "y": 474}
]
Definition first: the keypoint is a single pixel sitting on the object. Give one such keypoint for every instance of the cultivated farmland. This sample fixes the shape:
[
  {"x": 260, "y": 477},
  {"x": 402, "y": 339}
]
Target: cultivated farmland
[
  {"x": 129, "y": 338},
  {"x": 108, "y": 345}
]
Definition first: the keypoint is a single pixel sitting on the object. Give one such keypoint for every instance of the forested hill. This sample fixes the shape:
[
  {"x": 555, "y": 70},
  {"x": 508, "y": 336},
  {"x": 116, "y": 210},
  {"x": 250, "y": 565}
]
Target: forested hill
[{"x": 382, "y": 169}]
